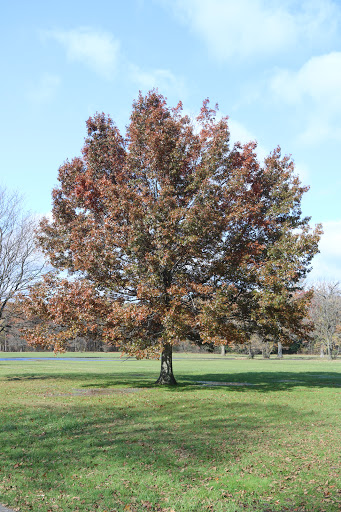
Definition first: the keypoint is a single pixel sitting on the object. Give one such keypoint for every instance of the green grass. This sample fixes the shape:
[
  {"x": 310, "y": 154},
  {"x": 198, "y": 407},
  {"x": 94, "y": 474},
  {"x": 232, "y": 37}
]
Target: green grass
[{"x": 269, "y": 443}]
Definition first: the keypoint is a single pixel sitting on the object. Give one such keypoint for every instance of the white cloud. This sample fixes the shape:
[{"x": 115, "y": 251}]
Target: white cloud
[
  {"x": 97, "y": 50},
  {"x": 327, "y": 264},
  {"x": 258, "y": 27},
  {"x": 163, "y": 79},
  {"x": 45, "y": 89},
  {"x": 319, "y": 79},
  {"x": 101, "y": 52},
  {"x": 316, "y": 88}
]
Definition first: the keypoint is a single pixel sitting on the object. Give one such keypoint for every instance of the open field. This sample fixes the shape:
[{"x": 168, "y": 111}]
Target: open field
[{"x": 96, "y": 435}]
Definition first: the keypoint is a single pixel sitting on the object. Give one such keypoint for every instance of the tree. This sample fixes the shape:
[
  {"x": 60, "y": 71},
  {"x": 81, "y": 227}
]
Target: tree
[
  {"x": 325, "y": 311},
  {"x": 19, "y": 260},
  {"x": 280, "y": 350},
  {"x": 170, "y": 234}
]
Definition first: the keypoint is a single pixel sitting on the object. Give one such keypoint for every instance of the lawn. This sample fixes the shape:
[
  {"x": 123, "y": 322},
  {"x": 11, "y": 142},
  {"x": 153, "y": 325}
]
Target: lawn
[{"x": 97, "y": 435}]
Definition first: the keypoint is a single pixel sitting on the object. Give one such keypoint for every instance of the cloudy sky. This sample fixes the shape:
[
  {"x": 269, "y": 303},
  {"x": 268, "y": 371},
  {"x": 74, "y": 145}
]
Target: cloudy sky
[{"x": 273, "y": 66}]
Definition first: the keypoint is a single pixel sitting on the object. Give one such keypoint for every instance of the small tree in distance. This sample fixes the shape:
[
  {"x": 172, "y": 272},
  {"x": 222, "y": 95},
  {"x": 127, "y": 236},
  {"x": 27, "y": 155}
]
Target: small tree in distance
[
  {"x": 325, "y": 312},
  {"x": 169, "y": 234}
]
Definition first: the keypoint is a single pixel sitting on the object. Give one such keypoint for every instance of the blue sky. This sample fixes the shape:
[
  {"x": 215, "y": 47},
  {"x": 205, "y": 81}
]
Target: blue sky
[{"x": 273, "y": 66}]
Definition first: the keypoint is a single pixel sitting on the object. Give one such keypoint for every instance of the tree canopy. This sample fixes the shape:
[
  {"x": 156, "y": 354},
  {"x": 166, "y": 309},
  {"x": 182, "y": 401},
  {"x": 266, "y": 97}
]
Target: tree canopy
[{"x": 169, "y": 233}]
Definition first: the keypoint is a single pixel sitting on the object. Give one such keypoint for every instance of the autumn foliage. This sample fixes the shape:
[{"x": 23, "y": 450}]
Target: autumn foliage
[{"x": 169, "y": 233}]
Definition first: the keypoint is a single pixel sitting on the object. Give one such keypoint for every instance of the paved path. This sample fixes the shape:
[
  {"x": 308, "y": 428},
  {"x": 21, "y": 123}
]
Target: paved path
[{"x": 5, "y": 509}]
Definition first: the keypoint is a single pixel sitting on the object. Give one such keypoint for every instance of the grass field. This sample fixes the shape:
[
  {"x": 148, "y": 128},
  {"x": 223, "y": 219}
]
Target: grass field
[{"x": 97, "y": 435}]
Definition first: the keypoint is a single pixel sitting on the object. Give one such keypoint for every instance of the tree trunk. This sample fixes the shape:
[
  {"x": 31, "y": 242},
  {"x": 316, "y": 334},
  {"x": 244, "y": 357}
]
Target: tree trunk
[
  {"x": 166, "y": 373},
  {"x": 250, "y": 352},
  {"x": 222, "y": 350},
  {"x": 280, "y": 351},
  {"x": 322, "y": 351},
  {"x": 266, "y": 350}
]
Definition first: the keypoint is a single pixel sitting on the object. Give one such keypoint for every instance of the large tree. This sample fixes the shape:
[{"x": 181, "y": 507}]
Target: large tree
[{"x": 171, "y": 234}]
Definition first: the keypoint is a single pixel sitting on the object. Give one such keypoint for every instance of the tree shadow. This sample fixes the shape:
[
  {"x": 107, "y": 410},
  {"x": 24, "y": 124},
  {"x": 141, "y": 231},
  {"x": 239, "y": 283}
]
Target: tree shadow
[
  {"x": 237, "y": 382},
  {"x": 262, "y": 381}
]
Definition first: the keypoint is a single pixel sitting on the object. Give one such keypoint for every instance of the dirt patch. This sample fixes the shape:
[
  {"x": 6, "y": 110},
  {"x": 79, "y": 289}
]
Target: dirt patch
[
  {"x": 5, "y": 509},
  {"x": 101, "y": 391},
  {"x": 216, "y": 383}
]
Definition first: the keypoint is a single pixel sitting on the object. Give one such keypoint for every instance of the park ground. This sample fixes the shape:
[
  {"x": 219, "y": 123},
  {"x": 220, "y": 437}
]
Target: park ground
[{"x": 96, "y": 434}]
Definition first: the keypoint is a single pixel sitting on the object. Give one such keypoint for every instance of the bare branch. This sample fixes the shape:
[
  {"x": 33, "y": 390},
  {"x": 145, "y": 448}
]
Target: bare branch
[{"x": 20, "y": 261}]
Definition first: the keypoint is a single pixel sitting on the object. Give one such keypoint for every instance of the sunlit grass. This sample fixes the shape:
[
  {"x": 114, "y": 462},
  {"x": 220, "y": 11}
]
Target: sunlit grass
[{"x": 97, "y": 435}]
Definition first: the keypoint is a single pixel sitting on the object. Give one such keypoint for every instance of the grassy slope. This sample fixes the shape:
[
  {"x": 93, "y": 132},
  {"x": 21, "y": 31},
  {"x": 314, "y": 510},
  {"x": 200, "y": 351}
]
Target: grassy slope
[{"x": 134, "y": 447}]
